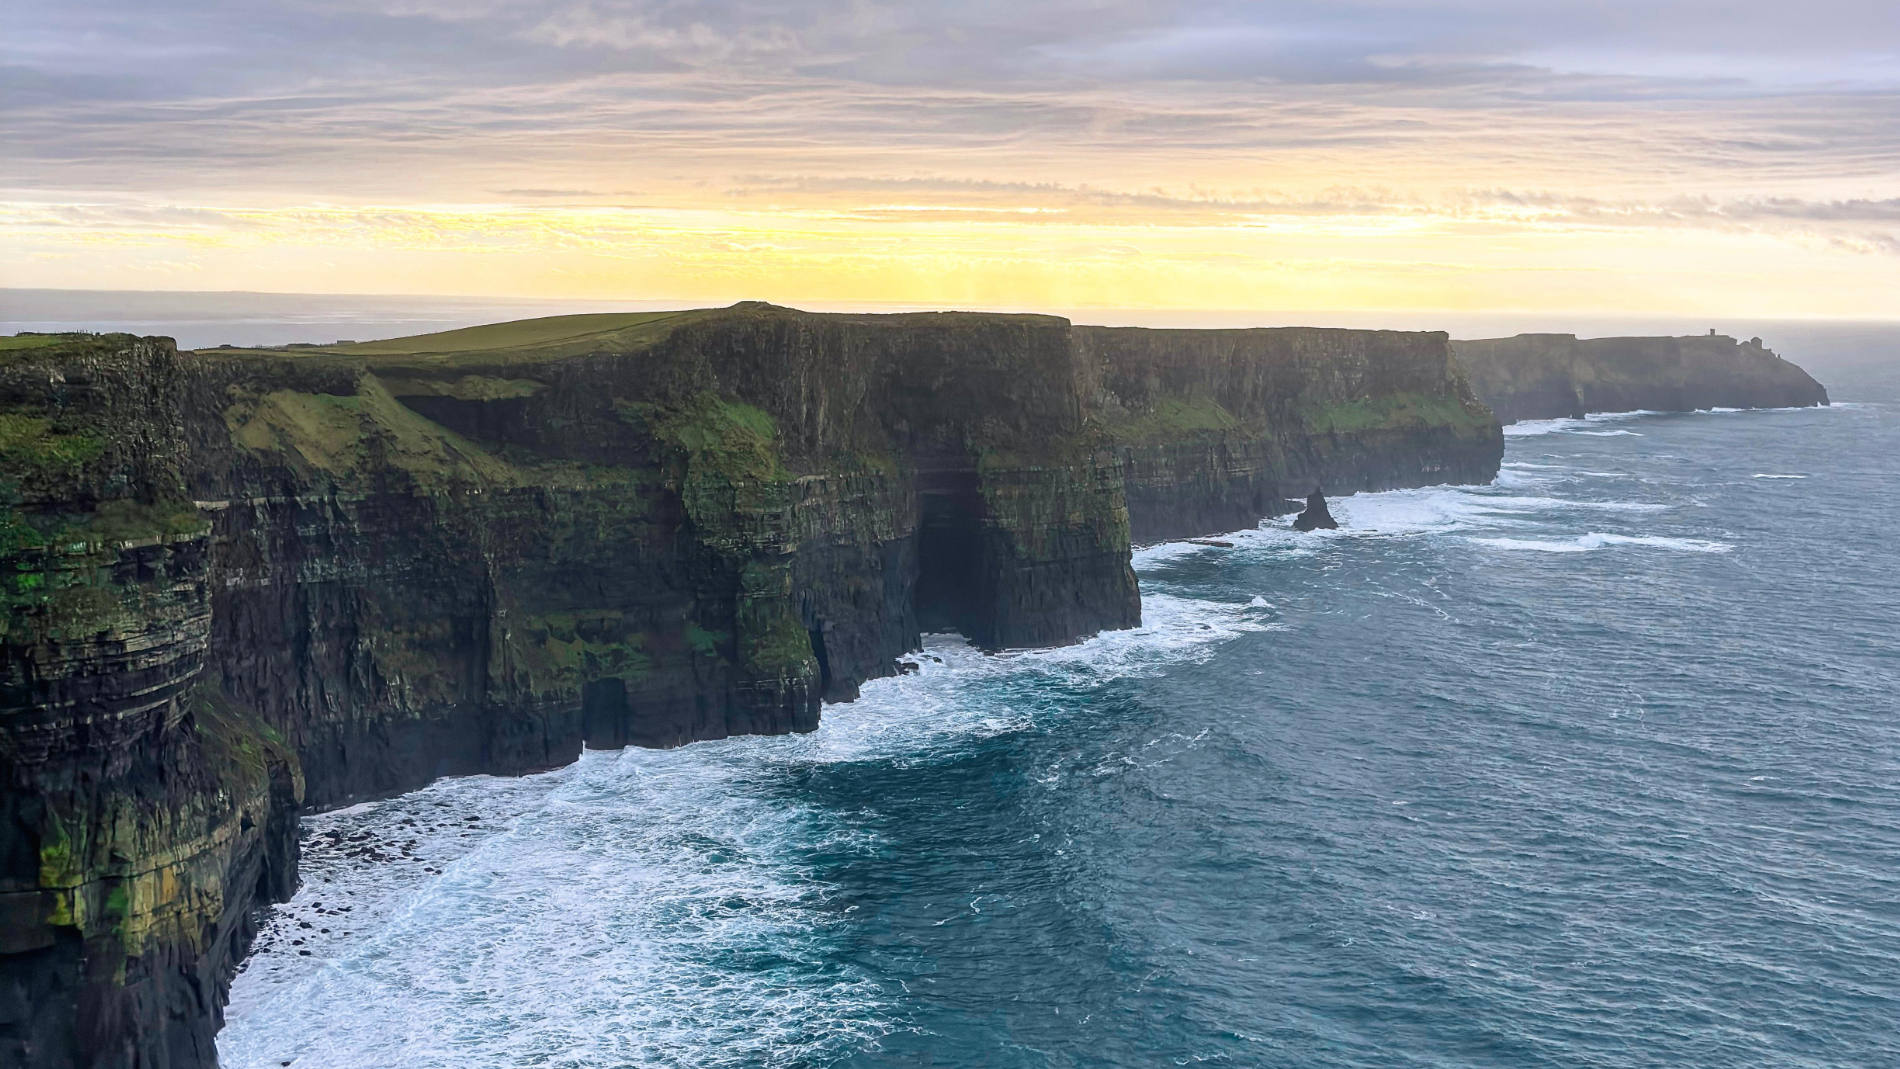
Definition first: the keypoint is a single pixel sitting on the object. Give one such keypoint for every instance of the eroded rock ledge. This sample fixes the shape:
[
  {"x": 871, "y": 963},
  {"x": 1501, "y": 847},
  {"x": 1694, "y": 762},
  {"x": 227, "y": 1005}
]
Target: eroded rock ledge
[
  {"x": 1558, "y": 376},
  {"x": 243, "y": 583}
]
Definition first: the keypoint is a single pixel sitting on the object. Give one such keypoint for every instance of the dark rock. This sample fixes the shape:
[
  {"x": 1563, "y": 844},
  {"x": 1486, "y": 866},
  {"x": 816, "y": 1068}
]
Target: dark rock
[
  {"x": 1558, "y": 376},
  {"x": 1214, "y": 427},
  {"x": 240, "y": 585},
  {"x": 1316, "y": 516},
  {"x": 1215, "y": 542}
]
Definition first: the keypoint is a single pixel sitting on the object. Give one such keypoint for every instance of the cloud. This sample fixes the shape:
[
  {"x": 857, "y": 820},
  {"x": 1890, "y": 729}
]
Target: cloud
[
  {"x": 1857, "y": 226},
  {"x": 1851, "y": 211},
  {"x": 1450, "y": 116}
]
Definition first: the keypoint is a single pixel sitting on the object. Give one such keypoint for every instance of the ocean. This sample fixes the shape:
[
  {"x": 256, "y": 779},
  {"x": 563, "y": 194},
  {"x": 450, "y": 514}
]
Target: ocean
[{"x": 1595, "y": 766}]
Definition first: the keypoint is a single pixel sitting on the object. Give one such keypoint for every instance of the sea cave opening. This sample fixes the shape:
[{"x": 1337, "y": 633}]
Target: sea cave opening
[
  {"x": 824, "y": 659},
  {"x": 950, "y": 582}
]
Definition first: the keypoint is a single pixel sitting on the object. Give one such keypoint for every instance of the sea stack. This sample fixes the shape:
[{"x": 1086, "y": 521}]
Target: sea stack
[
  {"x": 242, "y": 584},
  {"x": 1316, "y": 517}
]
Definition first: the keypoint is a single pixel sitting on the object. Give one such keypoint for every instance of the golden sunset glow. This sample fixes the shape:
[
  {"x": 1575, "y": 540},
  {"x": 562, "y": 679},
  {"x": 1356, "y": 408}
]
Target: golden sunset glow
[
  {"x": 1074, "y": 157},
  {"x": 945, "y": 256}
]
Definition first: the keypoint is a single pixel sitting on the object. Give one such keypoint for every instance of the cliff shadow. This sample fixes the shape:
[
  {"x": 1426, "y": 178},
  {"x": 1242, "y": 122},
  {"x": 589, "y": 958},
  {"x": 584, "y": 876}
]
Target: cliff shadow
[{"x": 952, "y": 579}]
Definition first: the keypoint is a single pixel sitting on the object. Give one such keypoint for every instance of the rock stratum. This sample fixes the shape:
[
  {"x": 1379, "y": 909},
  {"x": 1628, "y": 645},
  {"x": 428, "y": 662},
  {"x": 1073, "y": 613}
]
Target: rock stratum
[
  {"x": 242, "y": 584},
  {"x": 1558, "y": 376}
]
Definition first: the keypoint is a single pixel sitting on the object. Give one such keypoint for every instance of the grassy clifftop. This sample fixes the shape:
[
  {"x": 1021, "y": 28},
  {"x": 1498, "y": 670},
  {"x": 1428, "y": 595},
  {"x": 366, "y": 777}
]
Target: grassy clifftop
[
  {"x": 611, "y": 328},
  {"x": 241, "y": 580}
]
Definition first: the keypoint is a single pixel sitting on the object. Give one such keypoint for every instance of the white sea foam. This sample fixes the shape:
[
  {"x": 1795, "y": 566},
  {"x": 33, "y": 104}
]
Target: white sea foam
[
  {"x": 641, "y": 907},
  {"x": 917, "y": 716},
  {"x": 1595, "y": 540},
  {"x": 1533, "y": 427},
  {"x": 663, "y": 908},
  {"x": 1449, "y": 508},
  {"x": 1765, "y": 475},
  {"x": 1431, "y": 510},
  {"x": 1528, "y": 428}
]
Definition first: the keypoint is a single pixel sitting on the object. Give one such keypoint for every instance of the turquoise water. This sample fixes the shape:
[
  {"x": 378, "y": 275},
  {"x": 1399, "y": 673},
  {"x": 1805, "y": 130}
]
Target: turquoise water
[{"x": 1597, "y": 766}]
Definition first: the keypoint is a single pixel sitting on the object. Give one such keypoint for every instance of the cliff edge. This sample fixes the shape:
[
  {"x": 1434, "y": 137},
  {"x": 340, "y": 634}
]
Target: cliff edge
[
  {"x": 1557, "y": 376},
  {"x": 241, "y": 584}
]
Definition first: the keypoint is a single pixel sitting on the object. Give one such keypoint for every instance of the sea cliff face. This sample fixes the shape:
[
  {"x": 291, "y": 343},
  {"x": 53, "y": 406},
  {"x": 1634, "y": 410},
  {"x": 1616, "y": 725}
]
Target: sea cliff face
[
  {"x": 1556, "y": 376},
  {"x": 241, "y": 583},
  {"x": 146, "y": 812},
  {"x": 1217, "y": 428}
]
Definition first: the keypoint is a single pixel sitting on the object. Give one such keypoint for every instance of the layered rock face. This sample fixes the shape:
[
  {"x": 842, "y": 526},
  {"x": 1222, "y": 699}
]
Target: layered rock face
[
  {"x": 145, "y": 812},
  {"x": 240, "y": 584},
  {"x": 1217, "y": 428},
  {"x": 1557, "y": 376}
]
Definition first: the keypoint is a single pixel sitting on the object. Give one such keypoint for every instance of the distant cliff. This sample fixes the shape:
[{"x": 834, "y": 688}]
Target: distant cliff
[
  {"x": 1216, "y": 428},
  {"x": 240, "y": 584},
  {"x": 1554, "y": 376}
]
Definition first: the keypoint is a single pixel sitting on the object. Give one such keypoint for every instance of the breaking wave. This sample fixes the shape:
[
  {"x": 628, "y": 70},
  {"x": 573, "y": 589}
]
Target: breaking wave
[
  {"x": 1594, "y": 540},
  {"x": 696, "y": 907},
  {"x": 680, "y": 884}
]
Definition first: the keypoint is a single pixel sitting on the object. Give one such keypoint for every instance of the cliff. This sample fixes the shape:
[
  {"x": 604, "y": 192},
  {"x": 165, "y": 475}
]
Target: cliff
[
  {"x": 240, "y": 584},
  {"x": 1554, "y": 376},
  {"x": 1217, "y": 428}
]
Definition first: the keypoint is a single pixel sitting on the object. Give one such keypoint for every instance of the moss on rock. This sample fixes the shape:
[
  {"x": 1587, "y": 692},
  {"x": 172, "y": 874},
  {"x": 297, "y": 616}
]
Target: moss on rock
[
  {"x": 1171, "y": 419},
  {"x": 1403, "y": 410}
]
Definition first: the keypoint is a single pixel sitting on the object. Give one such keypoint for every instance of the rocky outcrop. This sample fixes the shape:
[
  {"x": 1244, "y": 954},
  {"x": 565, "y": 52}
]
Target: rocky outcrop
[
  {"x": 240, "y": 584},
  {"x": 145, "y": 811},
  {"x": 1315, "y": 516},
  {"x": 1557, "y": 376}
]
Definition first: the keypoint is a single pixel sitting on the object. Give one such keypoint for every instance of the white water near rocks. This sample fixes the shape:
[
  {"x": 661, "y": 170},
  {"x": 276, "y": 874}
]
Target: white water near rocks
[
  {"x": 1556, "y": 771},
  {"x": 640, "y": 907}
]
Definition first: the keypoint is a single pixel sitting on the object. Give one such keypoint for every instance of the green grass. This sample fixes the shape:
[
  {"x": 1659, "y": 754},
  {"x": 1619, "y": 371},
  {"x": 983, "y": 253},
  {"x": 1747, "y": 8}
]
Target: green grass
[
  {"x": 131, "y": 521},
  {"x": 492, "y": 346},
  {"x": 31, "y": 341},
  {"x": 30, "y": 449},
  {"x": 1174, "y": 418},
  {"x": 1397, "y": 411},
  {"x": 38, "y": 348},
  {"x": 515, "y": 334},
  {"x": 332, "y": 433},
  {"x": 782, "y": 647},
  {"x": 572, "y": 648},
  {"x": 474, "y": 388},
  {"x": 704, "y": 642},
  {"x": 734, "y": 439}
]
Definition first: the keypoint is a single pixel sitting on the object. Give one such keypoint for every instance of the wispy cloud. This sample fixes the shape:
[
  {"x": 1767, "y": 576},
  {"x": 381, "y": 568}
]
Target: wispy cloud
[{"x": 1470, "y": 120}]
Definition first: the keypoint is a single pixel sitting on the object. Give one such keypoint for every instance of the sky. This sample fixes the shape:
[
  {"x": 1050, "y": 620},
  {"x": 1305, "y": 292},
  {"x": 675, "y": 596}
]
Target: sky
[{"x": 1739, "y": 157}]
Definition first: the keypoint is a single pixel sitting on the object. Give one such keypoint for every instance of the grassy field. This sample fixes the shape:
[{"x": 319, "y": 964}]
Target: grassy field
[
  {"x": 30, "y": 341},
  {"x": 518, "y": 334},
  {"x": 499, "y": 345}
]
